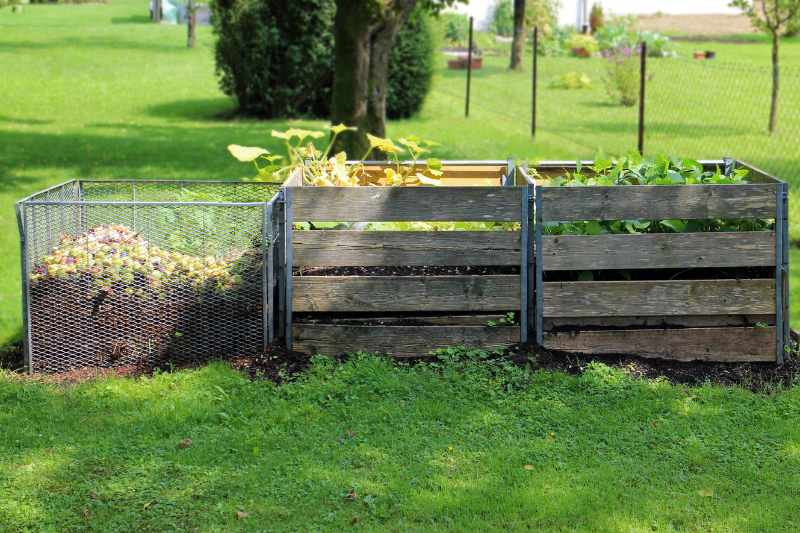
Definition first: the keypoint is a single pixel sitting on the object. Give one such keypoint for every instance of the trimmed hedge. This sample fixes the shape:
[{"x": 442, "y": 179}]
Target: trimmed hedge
[{"x": 276, "y": 58}]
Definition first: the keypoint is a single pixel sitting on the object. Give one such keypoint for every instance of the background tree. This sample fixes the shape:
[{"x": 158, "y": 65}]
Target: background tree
[
  {"x": 774, "y": 17},
  {"x": 364, "y": 31},
  {"x": 518, "y": 42}
]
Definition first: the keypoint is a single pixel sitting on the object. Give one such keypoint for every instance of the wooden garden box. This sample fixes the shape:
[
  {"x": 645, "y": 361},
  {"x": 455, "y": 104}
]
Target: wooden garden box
[
  {"x": 414, "y": 313},
  {"x": 742, "y": 315}
]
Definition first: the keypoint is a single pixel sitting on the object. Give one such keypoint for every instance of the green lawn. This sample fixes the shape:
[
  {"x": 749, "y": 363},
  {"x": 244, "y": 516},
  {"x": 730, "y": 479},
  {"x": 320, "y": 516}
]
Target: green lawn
[
  {"x": 381, "y": 447},
  {"x": 97, "y": 91}
]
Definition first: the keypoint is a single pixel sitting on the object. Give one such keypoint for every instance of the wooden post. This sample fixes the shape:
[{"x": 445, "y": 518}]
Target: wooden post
[
  {"x": 642, "y": 86},
  {"x": 469, "y": 68},
  {"x": 534, "y": 79},
  {"x": 191, "y": 23}
]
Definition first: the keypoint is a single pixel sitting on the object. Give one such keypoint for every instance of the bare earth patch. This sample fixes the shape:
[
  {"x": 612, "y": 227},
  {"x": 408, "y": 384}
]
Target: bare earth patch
[{"x": 696, "y": 25}]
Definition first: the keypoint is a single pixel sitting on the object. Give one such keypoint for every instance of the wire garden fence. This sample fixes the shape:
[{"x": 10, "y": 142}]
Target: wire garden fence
[
  {"x": 146, "y": 273},
  {"x": 693, "y": 107}
]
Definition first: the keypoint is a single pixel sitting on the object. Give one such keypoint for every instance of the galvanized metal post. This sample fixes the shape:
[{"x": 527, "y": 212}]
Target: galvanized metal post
[
  {"x": 280, "y": 254},
  {"x": 539, "y": 283},
  {"x": 26, "y": 317},
  {"x": 642, "y": 87},
  {"x": 469, "y": 69},
  {"x": 534, "y": 79},
  {"x": 524, "y": 246},
  {"x": 267, "y": 271},
  {"x": 781, "y": 271},
  {"x": 787, "y": 337},
  {"x": 288, "y": 265}
]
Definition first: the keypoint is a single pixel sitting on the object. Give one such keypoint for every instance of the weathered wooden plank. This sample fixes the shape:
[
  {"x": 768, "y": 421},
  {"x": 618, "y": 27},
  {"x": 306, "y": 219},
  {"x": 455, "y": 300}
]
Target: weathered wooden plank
[
  {"x": 380, "y": 294},
  {"x": 658, "y": 250},
  {"x": 688, "y": 321},
  {"x": 376, "y": 204},
  {"x": 653, "y": 298},
  {"x": 458, "y": 175},
  {"x": 686, "y": 344},
  {"x": 658, "y": 202},
  {"x": 399, "y": 341},
  {"x": 386, "y": 248},
  {"x": 410, "y": 320}
]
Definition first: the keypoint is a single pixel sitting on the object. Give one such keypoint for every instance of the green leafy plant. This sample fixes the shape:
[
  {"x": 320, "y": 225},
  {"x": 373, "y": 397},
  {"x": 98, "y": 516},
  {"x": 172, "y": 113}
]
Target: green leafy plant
[
  {"x": 571, "y": 80},
  {"x": 319, "y": 168},
  {"x": 582, "y": 45},
  {"x": 622, "y": 78},
  {"x": 637, "y": 170}
]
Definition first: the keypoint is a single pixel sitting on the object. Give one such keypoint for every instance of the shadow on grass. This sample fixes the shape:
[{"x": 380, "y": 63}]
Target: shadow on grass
[
  {"x": 132, "y": 19},
  {"x": 100, "y": 43},
  {"x": 390, "y": 446},
  {"x": 15, "y": 121},
  {"x": 211, "y": 109}
]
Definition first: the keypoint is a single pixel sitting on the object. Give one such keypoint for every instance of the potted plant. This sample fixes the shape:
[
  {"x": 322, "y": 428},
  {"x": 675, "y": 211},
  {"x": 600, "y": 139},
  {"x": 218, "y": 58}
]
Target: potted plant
[{"x": 582, "y": 45}]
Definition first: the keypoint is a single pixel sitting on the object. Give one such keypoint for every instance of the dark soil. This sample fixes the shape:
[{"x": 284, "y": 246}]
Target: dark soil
[{"x": 757, "y": 377}]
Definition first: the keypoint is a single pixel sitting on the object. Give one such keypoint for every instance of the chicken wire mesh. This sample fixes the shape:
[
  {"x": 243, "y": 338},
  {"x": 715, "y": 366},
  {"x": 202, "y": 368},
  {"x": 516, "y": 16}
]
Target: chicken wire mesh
[{"x": 146, "y": 274}]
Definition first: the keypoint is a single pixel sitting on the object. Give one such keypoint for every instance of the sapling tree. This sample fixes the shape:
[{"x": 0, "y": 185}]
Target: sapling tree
[
  {"x": 775, "y": 18},
  {"x": 364, "y": 31}
]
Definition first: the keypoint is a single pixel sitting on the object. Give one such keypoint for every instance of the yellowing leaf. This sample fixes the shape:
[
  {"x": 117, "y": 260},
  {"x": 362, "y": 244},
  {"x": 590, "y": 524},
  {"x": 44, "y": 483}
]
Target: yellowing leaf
[
  {"x": 528, "y": 467},
  {"x": 425, "y": 180},
  {"x": 705, "y": 493},
  {"x": 340, "y": 128},
  {"x": 384, "y": 145},
  {"x": 246, "y": 153},
  {"x": 280, "y": 134}
]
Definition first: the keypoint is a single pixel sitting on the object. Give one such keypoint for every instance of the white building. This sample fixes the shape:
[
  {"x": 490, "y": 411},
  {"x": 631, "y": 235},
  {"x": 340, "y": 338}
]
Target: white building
[{"x": 570, "y": 11}]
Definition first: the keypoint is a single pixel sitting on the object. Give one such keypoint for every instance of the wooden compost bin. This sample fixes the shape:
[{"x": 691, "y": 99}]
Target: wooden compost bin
[
  {"x": 406, "y": 315},
  {"x": 737, "y": 317}
]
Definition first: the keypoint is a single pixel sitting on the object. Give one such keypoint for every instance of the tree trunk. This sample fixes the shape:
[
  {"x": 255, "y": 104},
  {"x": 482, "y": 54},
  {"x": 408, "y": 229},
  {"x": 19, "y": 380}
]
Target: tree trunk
[
  {"x": 156, "y": 10},
  {"x": 351, "y": 76},
  {"x": 191, "y": 23},
  {"x": 364, "y": 40},
  {"x": 776, "y": 79},
  {"x": 518, "y": 43}
]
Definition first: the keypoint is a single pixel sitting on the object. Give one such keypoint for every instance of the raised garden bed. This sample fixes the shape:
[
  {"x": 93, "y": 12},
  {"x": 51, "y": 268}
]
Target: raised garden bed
[
  {"x": 688, "y": 296},
  {"x": 400, "y": 292},
  {"x": 134, "y": 273}
]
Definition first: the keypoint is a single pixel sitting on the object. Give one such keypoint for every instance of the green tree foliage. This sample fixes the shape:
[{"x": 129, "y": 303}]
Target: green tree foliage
[
  {"x": 410, "y": 67},
  {"x": 276, "y": 58}
]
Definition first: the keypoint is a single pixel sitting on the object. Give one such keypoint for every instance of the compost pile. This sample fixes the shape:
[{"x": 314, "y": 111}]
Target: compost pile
[{"x": 108, "y": 297}]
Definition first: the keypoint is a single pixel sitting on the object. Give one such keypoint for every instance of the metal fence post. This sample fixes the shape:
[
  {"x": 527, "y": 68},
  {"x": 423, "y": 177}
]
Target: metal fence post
[
  {"x": 534, "y": 79},
  {"x": 267, "y": 272},
  {"x": 26, "y": 322},
  {"x": 287, "y": 211},
  {"x": 642, "y": 87},
  {"x": 539, "y": 282},
  {"x": 469, "y": 69},
  {"x": 781, "y": 271},
  {"x": 524, "y": 247}
]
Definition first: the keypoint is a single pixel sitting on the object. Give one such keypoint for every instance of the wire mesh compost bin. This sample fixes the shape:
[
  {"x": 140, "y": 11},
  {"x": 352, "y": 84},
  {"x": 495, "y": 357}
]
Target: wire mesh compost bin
[{"x": 147, "y": 273}]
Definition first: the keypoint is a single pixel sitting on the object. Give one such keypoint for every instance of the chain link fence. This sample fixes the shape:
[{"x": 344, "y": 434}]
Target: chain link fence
[{"x": 145, "y": 274}]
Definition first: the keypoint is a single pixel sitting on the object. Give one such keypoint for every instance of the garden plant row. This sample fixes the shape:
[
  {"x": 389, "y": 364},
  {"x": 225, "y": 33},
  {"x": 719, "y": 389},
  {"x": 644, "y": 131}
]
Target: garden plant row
[{"x": 656, "y": 257}]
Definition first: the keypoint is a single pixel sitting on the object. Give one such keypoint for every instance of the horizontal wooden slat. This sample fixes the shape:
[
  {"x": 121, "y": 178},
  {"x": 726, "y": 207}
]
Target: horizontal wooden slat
[
  {"x": 658, "y": 202},
  {"x": 651, "y": 298},
  {"x": 658, "y": 250},
  {"x": 399, "y": 341},
  {"x": 687, "y": 344},
  {"x": 376, "y": 204},
  {"x": 379, "y": 294},
  {"x": 386, "y": 248},
  {"x": 688, "y": 321},
  {"x": 408, "y": 320}
]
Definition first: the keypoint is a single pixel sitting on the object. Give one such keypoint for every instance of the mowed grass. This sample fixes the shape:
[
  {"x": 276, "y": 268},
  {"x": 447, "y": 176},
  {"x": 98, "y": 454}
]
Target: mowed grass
[
  {"x": 370, "y": 445},
  {"x": 95, "y": 91}
]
